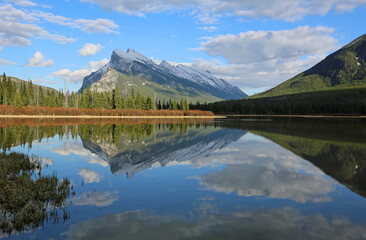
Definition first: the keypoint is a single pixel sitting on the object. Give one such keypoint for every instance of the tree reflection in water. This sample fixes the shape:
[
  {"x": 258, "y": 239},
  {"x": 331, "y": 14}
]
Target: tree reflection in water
[{"x": 29, "y": 198}]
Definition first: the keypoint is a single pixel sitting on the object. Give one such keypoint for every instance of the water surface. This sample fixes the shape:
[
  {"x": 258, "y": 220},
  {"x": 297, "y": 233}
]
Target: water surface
[{"x": 223, "y": 179}]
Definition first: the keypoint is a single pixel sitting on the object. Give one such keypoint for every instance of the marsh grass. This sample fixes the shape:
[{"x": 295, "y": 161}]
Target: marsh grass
[{"x": 28, "y": 198}]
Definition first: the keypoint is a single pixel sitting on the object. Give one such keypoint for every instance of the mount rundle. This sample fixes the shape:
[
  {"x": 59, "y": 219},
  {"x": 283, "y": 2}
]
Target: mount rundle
[{"x": 133, "y": 70}]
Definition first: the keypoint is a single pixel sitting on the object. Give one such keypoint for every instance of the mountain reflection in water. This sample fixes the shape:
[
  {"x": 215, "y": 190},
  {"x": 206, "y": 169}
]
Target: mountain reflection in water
[{"x": 225, "y": 179}]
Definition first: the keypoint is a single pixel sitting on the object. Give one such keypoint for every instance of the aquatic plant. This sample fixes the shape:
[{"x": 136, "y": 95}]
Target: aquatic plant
[{"x": 27, "y": 197}]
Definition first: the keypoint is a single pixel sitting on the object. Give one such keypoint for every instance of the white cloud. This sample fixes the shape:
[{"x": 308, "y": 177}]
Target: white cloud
[
  {"x": 12, "y": 14},
  {"x": 210, "y": 10},
  {"x": 259, "y": 75},
  {"x": 90, "y": 49},
  {"x": 260, "y": 60},
  {"x": 208, "y": 29},
  {"x": 22, "y": 3},
  {"x": 18, "y": 28},
  {"x": 38, "y": 61},
  {"x": 252, "y": 47},
  {"x": 14, "y": 32},
  {"x": 263, "y": 59},
  {"x": 89, "y": 176},
  {"x": 99, "y": 25},
  {"x": 77, "y": 76},
  {"x": 72, "y": 76},
  {"x": 5, "y": 62},
  {"x": 98, "y": 64}
]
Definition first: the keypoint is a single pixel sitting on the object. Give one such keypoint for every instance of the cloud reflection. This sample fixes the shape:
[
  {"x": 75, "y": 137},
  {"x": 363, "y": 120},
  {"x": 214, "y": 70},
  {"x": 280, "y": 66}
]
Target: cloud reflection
[
  {"x": 89, "y": 176},
  {"x": 99, "y": 199},
  {"x": 247, "y": 180},
  {"x": 285, "y": 223}
]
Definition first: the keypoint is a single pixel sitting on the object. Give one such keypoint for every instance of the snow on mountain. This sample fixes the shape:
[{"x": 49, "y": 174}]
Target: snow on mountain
[{"x": 135, "y": 63}]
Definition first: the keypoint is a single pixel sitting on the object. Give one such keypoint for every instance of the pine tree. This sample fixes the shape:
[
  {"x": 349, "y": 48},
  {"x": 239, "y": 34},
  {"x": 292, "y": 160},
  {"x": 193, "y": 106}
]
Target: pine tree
[
  {"x": 97, "y": 99},
  {"x": 24, "y": 94},
  {"x": 138, "y": 101},
  {"x": 5, "y": 88},
  {"x": 117, "y": 99},
  {"x": 150, "y": 103},
  {"x": 174, "y": 105},
  {"x": 17, "y": 100},
  {"x": 185, "y": 105},
  {"x": 88, "y": 97},
  {"x": 133, "y": 94},
  {"x": 51, "y": 101},
  {"x": 131, "y": 103},
  {"x": 181, "y": 104},
  {"x": 30, "y": 93},
  {"x": 108, "y": 104},
  {"x": 42, "y": 101}
]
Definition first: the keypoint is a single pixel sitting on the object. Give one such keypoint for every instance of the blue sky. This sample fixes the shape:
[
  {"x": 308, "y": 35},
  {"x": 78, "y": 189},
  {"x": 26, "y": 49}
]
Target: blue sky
[{"x": 252, "y": 44}]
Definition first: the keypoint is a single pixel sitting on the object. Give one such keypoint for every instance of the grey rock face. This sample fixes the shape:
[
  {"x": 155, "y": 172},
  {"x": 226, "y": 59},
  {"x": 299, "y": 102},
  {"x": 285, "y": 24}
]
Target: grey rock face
[{"x": 134, "y": 63}]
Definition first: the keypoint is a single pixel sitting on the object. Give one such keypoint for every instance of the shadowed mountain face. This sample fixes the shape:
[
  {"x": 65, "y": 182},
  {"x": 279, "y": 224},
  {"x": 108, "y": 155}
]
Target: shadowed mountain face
[
  {"x": 163, "y": 146},
  {"x": 338, "y": 151},
  {"x": 133, "y": 70}
]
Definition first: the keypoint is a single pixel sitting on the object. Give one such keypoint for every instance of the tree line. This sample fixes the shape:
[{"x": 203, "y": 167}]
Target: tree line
[
  {"x": 29, "y": 95},
  {"x": 24, "y": 135},
  {"x": 271, "y": 107}
]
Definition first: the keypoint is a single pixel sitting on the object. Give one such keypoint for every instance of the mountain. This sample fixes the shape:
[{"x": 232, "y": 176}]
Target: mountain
[
  {"x": 131, "y": 69},
  {"x": 162, "y": 148},
  {"x": 345, "y": 68}
]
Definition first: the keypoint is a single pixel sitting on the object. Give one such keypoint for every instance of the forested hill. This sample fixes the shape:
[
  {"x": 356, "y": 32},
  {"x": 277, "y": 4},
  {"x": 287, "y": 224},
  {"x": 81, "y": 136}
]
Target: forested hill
[
  {"x": 18, "y": 93},
  {"x": 345, "y": 68}
]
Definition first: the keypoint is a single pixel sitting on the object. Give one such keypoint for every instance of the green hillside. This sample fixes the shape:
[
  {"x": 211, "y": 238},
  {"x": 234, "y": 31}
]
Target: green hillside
[
  {"x": 18, "y": 83},
  {"x": 19, "y": 93},
  {"x": 345, "y": 68}
]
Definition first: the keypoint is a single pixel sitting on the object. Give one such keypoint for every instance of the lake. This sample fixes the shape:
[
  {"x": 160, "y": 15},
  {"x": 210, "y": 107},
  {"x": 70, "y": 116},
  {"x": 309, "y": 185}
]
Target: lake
[{"x": 235, "y": 178}]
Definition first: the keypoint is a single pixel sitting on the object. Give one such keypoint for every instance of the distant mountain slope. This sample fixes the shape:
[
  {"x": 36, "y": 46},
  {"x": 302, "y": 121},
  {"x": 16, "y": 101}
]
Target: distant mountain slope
[
  {"x": 131, "y": 69},
  {"x": 345, "y": 68},
  {"x": 19, "y": 82}
]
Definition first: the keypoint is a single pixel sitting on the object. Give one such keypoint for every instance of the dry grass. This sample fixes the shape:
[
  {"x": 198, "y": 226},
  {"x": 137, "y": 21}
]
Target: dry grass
[{"x": 6, "y": 110}]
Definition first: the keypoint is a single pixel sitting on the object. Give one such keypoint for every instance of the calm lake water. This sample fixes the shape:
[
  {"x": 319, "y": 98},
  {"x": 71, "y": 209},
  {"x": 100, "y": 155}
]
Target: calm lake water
[{"x": 222, "y": 179}]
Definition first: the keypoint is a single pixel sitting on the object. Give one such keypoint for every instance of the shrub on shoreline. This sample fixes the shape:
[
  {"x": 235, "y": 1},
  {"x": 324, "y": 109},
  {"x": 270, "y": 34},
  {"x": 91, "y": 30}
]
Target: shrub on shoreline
[{"x": 62, "y": 111}]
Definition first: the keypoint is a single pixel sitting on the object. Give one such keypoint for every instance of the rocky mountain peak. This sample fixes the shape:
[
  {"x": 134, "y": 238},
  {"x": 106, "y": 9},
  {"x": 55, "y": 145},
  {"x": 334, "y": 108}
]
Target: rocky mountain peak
[{"x": 132, "y": 63}]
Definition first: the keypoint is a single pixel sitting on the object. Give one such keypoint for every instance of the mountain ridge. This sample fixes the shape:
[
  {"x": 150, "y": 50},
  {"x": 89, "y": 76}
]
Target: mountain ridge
[
  {"x": 134, "y": 68},
  {"x": 345, "y": 68}
]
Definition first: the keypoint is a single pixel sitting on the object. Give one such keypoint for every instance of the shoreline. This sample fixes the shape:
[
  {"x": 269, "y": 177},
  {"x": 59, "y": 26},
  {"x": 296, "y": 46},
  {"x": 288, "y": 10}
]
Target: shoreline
[
  {"x": 299, "y": 116},
  {"x": 111, "y": 117}
]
